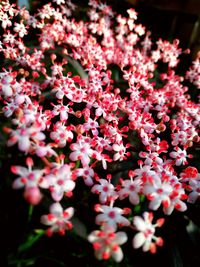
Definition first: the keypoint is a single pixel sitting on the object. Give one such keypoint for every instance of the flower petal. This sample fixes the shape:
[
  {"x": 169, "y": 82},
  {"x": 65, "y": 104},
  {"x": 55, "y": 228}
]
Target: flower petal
[
  {"x": 138, "y": 240},
  {"x": 56, "y": 209}
]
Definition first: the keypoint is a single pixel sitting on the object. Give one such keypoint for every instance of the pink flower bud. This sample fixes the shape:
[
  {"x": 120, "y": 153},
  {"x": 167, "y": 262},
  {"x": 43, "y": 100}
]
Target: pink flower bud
[{"x": 33, "y": 195}]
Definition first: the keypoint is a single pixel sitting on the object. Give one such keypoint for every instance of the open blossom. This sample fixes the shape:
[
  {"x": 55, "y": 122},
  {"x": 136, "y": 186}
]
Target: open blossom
[
  {"x": 180, "y": 156},
  {"x": 194, "y": 188},
  {"x": 112, "y": 216},
  {"x": 58, "y": 2},
  {"x": 24, "y": 135},
  {"x": 105, "y": 189},
  {"x": 20, "y": 29},
  {"x": 6, "y": 87},
  {"x": 120, "y": 150},
  {"x": 87, "y": 173},
  {"x": 81, "y": 151},
  {"x": 30, "y": 180},
  {"x": 58, "y": 219},
  {"x": 158, "y": 192},
  {"x": 146, "y": 237},
  {"x": 5, "y": 21},
  {"x": 61, "y": 134},
  {"x": 106, "y": 243},
  {"x": 130, "y": 189},
  {"x": 60, "y": 182}
]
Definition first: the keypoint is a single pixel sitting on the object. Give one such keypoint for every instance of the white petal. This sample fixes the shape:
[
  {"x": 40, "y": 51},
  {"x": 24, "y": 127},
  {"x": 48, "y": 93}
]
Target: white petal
[
  {"x": 44, "y": 183},
  {"x": 17, "y": 184},
  {"x": 103, "y": 198},
  {"x": 69, "y": 186},
  {"x": 155, "y": 204},
  {"x": 93, "y": 236},
  {"x": 24, "y": 144},
  {"x": 56, "y": 209},
  {"x": 123, "y": 221},
  {"x": 121, "y": 238},
  {"x": 100, "y": 218},
  {"x": 117, "y": 255},
  {"x": 44, "y": 220},
  {"x": 134, "y": 198},
  {"x": 70, "y": 212},
  {"x": 147, "y": 245},
  {"x": 57, "y": 196},
  {"x": 138, "y": 240},
  {"x": 139, "y": 223}
]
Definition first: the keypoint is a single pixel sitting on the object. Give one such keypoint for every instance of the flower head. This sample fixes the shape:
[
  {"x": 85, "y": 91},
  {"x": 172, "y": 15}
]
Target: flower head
[
  {"x": 106, "y": 243},
  {"x": 146, "y": 237},
  {"x": 58, "y": 219}
]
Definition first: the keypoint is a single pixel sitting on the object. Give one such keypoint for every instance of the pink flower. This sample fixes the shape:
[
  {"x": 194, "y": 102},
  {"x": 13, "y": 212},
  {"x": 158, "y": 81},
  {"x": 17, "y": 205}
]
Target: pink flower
[
  {"x": 58, "y": 219},
  {"x": 120, "y": 150},
  {"x": 105, "y": 190},
  {"x": 158, "y": 192},
  {"x": 131, "y": 189},
  {"x": 112, "y": 216},
  {"x": 87, "y": 173},
  {"x": 23, "y": 136},
  {"x": 146, "y": 237},
  {"x": 30, "y": 180},
  {"x": 61, "y": 134},
  {"x": 106, "y": 243},
  {"x": 180, "y": 156},
  {"x": 60, "y": 182},
  {"x": 81, "y": 151}
]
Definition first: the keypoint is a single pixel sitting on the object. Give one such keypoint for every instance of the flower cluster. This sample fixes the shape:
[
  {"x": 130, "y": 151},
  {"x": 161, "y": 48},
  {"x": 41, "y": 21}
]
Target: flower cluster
[{"x": 77, "y": 118}]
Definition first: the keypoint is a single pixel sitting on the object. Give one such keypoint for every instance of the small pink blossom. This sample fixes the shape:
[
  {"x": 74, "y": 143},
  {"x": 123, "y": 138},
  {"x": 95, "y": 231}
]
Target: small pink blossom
[
  {"x": 30, "y": 180},
  {"x": 81, "y": 151},
  {"x": 60, "y": 182},
  {"x": 111, "y": 216},
  {"x": 58, "y": 219},
  {"x": 180, "y": 156},
  {"x": 105, "y": 189},
  {"x": 106, "y": 243},
  {"x": 146, "y": 237},
  {"x": 131, "y": 189}
]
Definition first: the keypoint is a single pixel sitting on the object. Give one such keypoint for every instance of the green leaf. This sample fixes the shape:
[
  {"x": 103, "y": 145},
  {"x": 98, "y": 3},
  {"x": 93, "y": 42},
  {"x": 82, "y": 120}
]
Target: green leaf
[{"x": 31, "y": 240}]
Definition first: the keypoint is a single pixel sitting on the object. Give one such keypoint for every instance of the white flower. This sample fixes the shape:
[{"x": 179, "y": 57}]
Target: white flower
[
  {"x": 146, "y": 237},
  {"x": 105, "y": 190},
  {"x": 30, "y": 180},
  {"x": 60, "y": 182},
  {"x": 20, "y": 29},
  {"x": 130, "y": 189},
  {"x": 57, "y": 219},
  {"x": 81, "y": 151},
  {"x": 180, "y": 156},
  {"x": 106, "y": 243},
  {"x": 112, "y": 216},
  {"x": 87, "y": 173}
]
